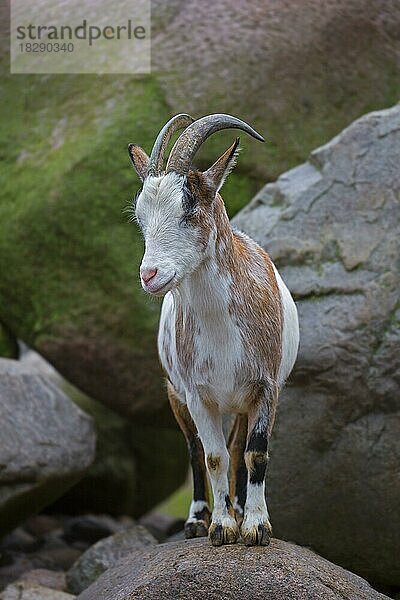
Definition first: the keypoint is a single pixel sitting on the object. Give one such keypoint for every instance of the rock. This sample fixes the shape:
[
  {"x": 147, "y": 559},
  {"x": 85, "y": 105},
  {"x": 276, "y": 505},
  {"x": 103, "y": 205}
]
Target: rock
[
  {"x": 13, "y": 565},
  {"x": 46, "y": 443},
  {"x": 111, "y": 484},
  {"x": 195, "y": 569},
  {"x": 176, "y": 537},
  {"x": 250, "y": 58},
  {"x": 77, "y": 261},
  {"x": 162, "y": 526},
  {"x": 18, "y": 540},
  {"x": 30, "y": 591},
  {"x": 105, "y": 554},
  {"x": 90, "y": 528},
  {"x": 46, "y": 578},
  {"x": 50, "y": 553},
  {"x": 61, "y": 558},
  {"x": 332, "y": 227},
  {"x": 40, "y": 525}
]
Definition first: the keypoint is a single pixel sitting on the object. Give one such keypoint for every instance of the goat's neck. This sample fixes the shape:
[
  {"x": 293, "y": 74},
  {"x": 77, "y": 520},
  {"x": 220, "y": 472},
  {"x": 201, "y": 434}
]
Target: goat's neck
[{"x": 207, "y": 289}]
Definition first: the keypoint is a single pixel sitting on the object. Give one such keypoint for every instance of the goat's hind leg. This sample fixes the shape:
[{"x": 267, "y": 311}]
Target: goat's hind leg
[
  {"x": 256, "y": 528},
  {"x": 199, "y": 517},
  {"x": 238, "y": 469}
]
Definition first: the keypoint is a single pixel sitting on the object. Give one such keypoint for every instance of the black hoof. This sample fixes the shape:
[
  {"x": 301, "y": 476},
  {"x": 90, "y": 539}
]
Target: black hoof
[
  {"x": 221, "y": 535},
  {"x": 195, "y": 529},
  {"x": 258, "y": 535}
]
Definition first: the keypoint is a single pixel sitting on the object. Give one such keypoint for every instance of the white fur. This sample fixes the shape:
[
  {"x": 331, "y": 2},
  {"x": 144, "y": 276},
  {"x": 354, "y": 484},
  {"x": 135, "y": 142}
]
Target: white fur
[
  {"x": 170, "y": 248},
  {"x": 218, "y": 339},
  {"x": 290, "y": 331},
  {"x": 237, "y": 508},
  {"x": 255, "y": 510},
  {"x": 209, "y": 425},
  {"x": 196, "y": 506}
]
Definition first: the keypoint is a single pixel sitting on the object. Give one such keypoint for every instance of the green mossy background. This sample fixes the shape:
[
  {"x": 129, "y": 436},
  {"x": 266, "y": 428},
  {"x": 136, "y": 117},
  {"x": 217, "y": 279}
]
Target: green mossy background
[
  {"x": 8, "y": 344},
  {"x": 68, "y": 254}
]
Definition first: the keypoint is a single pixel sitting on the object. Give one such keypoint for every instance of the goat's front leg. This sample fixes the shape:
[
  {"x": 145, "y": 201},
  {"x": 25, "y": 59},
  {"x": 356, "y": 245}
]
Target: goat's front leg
[
  {"x": 208, "y": 420},
  {"x": 256, "y": 528}
]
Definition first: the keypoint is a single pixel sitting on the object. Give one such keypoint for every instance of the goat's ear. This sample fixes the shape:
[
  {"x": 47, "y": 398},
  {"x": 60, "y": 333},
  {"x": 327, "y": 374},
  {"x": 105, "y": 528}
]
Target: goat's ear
[
  {"x": 139, "y": 159},
  {"x": 220, "y": 170}
]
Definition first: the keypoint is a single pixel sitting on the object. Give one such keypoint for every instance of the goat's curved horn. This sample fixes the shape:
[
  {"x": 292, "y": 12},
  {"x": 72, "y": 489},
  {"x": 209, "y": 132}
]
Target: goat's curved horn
[
  {"x": 157, "y": 154},
  {"x": 191, "y": 139}
]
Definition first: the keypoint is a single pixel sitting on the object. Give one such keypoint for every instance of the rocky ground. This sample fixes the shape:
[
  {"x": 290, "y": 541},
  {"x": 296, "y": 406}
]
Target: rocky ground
[
  {"x": 97, "y": 557},
  {"x": 66, "y": 554}
]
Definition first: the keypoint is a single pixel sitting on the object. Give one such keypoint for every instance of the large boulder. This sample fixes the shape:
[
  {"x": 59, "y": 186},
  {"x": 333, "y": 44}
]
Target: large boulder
[
  {"x": 47, "y": 443},
  {"x": 332, "y": 227},
  {"x": 193, "y": 569},
  {"x": 68, "y": 258},
  {"x": 299, "y": 71},
  {"x": 105, "y": 554}
]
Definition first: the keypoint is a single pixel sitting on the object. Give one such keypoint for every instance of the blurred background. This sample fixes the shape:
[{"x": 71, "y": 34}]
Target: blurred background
[{"x": 299, "y": 73}]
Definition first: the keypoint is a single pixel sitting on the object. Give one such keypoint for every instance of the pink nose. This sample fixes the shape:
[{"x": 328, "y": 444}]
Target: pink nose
[{"x": 148, "y": 274}]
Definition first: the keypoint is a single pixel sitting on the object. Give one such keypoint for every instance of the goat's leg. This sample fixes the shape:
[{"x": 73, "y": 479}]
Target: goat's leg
[
  {"x": 256, "y": 528},
  {"x": 208, "y": 420},
  {"x": 238, "y": 470},
  {"x": 199, "y": 517}
]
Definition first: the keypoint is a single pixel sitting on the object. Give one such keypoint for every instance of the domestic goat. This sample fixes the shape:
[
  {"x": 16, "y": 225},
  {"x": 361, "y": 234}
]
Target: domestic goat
[{"x": 228, "y": 334}]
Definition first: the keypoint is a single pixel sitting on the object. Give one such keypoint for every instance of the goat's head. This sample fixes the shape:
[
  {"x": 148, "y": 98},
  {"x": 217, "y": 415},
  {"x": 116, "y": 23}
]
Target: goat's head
[{"x": 175, "y": 207}]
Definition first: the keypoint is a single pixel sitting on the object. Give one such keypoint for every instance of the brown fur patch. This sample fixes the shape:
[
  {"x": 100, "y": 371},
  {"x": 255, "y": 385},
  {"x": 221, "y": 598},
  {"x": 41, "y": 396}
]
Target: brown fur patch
[
  {"x": 253, "y": 459},
  {"x": 200, "y": 187},
  {"x": 222, "y": 165},
  {"x": 204, "y": 194},
  {"x": 264, "y": 401},
  {"x": 224, "y": 239},
  {"x": 229, "y": 506},
  {"x": 139, "y": 159},
  {"x": 184, "y": 333},
  {"x": 213, "y": 462},
  {"x": 236, "y": 446},
  {"x": 255, "y": 304}
]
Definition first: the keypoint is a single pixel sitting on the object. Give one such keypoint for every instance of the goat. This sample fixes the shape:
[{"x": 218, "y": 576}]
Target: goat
[{"x": 228, "y": 333}]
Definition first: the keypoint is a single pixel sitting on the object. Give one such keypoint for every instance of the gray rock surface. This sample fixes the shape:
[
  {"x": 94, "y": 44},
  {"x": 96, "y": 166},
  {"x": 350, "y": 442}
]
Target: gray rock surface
[
  {"x": 105, "y": 554},
  {"x": 32, "y": 591},
  {"x": 193, "y": 569},
  {"x": 46, "y": 443},
  {"x": 332, "y": 227},
  {"x": 54, "y": 580},
  {"x": 249, "y": 57}
]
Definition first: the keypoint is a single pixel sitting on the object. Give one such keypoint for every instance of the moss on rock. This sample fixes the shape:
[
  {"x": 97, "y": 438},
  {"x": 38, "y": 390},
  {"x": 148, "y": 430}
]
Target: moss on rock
[
  {"x": 68, "y": 255},
  {"x": 8, "y": 344}
]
